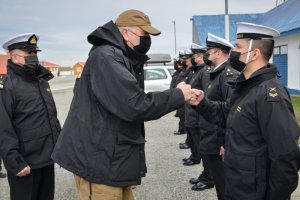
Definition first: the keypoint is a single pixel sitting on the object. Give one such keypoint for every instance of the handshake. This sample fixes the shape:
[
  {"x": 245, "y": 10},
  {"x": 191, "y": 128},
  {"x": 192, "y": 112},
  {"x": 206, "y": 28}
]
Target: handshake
[{"x": 192, "y": 96}]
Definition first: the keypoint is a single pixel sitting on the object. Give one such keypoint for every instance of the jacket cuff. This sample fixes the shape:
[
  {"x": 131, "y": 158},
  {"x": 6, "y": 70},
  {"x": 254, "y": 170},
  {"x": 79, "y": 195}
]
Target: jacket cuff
[
  {"x": 202, "y": 106},
  {"x": 15, "y": 165}
]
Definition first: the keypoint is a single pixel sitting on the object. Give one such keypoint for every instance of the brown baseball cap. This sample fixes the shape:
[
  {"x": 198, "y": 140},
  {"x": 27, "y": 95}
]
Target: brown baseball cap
[{"x": 136, "y": 18}]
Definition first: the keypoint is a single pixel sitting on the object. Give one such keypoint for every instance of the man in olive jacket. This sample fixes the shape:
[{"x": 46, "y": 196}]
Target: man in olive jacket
[{"x": 102, "y": 141}]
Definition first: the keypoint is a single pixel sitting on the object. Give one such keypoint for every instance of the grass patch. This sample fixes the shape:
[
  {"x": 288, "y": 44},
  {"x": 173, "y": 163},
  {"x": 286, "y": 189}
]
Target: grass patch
[{"x": 296, "y": 105}]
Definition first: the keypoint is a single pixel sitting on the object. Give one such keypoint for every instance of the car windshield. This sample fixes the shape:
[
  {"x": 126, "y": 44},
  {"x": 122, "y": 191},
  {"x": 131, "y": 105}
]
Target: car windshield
[
  {"x": 155, "y": 74},
  {"x": 171, "y": 71}
]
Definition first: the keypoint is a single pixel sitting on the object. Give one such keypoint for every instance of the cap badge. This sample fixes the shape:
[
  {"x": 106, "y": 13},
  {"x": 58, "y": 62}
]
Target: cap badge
[
  {"x": 33, "y": 40},
  {"x": 240, "y": 35}
]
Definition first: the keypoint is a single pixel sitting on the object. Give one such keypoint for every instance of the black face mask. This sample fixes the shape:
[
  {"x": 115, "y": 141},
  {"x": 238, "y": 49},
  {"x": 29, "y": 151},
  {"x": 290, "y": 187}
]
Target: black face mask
[
  {"x": 184, "y": 64},
  {"x": 31, "y": 62},
  {"x": 235, "y": 62},
  {"x": 144, "y": 46},
  {"x": 194, "y": 62},
  {"x": 206, "y": 60},
  {"x": 176, "y": 65}
]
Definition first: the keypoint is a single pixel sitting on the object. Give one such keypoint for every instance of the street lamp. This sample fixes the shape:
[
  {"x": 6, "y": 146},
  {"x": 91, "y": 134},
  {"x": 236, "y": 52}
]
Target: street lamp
[
  {"x": 226, "y": 21},
  {"x": 174, "y": 23}
]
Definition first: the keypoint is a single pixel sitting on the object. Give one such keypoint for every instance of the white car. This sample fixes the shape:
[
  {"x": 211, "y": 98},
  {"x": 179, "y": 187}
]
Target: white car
[{"x": 157, "y": 78}]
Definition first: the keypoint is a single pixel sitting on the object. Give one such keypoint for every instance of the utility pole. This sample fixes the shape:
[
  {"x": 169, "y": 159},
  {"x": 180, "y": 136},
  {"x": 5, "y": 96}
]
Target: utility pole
[
  {"x": 174, "y": 23},
  {"x": 226, "y": 21}
]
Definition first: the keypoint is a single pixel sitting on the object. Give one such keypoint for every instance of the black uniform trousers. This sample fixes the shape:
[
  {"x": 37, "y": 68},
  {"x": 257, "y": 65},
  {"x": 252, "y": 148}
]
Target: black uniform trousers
[
  {"x": 181, "y": 127},
  {"x": 215, "y": 166},
  {"x": 193, "y": 133},
  {"x": 38, "y": 185}
]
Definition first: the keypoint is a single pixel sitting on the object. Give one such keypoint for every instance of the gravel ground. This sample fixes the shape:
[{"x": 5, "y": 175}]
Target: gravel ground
[{"x": 166, "y": 179}]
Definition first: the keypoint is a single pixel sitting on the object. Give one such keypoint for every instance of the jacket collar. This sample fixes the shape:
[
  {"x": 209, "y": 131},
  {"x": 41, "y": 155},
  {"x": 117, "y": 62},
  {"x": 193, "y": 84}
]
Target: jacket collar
[
  {"x": 29, "y": 75},
  {"x": 196, "y": 68},
  {"x": 215, "y": 73},
  {"x": 265, "y": 73}
]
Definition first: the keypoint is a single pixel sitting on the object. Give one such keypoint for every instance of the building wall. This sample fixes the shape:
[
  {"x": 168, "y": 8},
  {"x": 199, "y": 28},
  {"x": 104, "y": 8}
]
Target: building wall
[
  {"x": 77, "y": 69},
  {"x": 293, "y": 42}
]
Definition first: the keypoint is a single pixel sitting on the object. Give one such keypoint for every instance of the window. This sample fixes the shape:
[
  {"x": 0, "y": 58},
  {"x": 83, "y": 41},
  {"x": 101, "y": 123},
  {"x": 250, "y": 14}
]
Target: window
[
  {"x": 281, "y": 50},
  {"x": 171, "y": 71},
  {"x": 284, "y": 49},
  {"x": 78, "y": 69},
  {"x": 276, "y": 51},
  {"x": 155, "y": 74}
]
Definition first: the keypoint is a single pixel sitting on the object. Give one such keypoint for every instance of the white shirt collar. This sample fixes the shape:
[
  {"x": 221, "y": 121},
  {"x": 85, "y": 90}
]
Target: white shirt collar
[{"x": 219, "y": 65}]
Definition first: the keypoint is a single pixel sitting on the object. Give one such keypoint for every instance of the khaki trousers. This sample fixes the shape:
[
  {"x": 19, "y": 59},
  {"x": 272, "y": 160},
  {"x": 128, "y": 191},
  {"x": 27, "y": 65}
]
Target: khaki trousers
[{"x": 93, "y": 191}]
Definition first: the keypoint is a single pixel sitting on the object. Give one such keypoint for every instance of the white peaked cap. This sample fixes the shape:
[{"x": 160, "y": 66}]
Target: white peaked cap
[
  {"x": 213, "y": 41},
  {"x": 25, "y": 41},
  {"x": 255, "y": 31}
]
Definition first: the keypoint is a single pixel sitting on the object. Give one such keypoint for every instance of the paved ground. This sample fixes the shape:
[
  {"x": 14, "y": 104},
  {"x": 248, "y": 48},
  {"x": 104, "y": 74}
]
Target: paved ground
[{"x": 167, "y": 178}]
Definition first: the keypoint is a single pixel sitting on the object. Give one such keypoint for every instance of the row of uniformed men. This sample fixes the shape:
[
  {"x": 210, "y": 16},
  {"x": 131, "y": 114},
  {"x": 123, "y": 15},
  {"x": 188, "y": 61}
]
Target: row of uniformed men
[
  {"x": 206, "y": 68},
  {"x": 212, "y": 69}
]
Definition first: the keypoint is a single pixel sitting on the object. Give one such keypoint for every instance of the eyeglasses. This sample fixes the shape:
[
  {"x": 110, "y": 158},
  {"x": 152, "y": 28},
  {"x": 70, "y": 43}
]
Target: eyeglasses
[{"x": 142, "y": 34}]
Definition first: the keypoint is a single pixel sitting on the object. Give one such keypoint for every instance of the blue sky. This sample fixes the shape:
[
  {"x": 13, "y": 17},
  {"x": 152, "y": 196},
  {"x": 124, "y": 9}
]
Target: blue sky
[{"x": 63, "y": 25}]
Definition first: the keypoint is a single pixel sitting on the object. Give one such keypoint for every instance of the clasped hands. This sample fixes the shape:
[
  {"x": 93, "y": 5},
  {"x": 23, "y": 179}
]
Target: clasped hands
[{"x": 191, "y": 96}]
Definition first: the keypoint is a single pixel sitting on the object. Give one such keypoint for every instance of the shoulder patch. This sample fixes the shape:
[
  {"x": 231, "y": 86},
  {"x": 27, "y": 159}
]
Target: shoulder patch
[
  {"x": 272, "y": 94},
  {"x": 229, "y": 72}
]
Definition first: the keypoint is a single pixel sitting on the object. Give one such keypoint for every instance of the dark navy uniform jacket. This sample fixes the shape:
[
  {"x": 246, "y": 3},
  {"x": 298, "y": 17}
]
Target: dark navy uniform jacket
[
  {"x": 29, "y": 125},
  {"x": 212, "y": 134},
  {"x": 261, "y": 152},
  {"x": 199, "y": 80}
]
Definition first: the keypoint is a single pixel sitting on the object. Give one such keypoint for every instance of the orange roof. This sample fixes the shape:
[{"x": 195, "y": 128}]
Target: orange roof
[
  {"x": 3, "y": 63},
  {"x": 48, "y": 64},
  {"x": 81, "y": 63},
  {"x": 3, "y": 70}
]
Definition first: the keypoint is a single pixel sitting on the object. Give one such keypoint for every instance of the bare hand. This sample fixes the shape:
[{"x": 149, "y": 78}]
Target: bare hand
[
  {"x": 197, "y": 97},
  {"x": 222, "y": 152},
  {"x": 24, "y": 171},
  {"x": 186, "y": 90}
]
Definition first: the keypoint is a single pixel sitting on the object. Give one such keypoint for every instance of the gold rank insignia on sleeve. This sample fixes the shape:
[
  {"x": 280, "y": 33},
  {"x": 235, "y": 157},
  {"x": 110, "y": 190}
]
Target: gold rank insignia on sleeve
[
  {"x": 273, "y": 94},
  {"x": 239, "y": 108},
  {"x": 1, "y": 82}
]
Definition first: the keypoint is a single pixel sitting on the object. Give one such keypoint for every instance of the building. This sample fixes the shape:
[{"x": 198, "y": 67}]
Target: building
[
  {"x": 285, "y": 18},
  {"x": 77, "y": 68},
  {"x": 3, "y": 63},
  {"x": 50, "y": 66}
]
